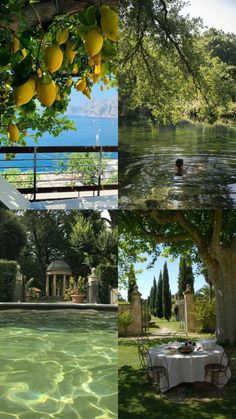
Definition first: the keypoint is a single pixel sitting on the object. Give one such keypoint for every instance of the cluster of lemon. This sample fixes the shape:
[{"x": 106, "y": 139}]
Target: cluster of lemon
[{"x": 45, "y": 88}]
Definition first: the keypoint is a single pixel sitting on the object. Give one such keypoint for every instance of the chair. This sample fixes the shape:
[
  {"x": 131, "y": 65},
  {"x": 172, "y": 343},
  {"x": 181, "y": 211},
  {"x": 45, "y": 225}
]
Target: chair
[
  {"x": 143, "y": 340},
  {"x": 181, "y": 334},
  {"x": 217, "y": 370},
  {"x": 153, "y": 373}
]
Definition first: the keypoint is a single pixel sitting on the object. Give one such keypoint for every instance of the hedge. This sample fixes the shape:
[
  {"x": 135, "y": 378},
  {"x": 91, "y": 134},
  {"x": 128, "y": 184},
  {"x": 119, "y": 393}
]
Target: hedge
[
  {"x": 108, "y": 277},
  {"x": 8, "y": 271}
]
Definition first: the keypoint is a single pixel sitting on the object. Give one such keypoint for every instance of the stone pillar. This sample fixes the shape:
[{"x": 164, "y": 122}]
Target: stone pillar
[
  {"x": 188, "y": 309},
  {"x": 64, "y": 286},
  {"x": 54, "y": 287},
  {"x": 47, "y": 286},
  {"x": 136, "y": 311},
  {"x": 93, "y": 287}
]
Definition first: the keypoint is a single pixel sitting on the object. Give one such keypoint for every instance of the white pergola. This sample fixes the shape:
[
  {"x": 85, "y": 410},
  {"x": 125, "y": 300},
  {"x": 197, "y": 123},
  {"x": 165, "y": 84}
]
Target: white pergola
[{"x": 57, "y": 278}]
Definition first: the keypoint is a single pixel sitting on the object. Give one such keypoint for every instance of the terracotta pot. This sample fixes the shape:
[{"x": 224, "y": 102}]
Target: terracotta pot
[{"x": 77, "y": 298}]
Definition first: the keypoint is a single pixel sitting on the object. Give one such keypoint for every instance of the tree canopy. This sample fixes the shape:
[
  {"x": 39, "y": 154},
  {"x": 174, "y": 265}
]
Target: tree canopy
[
  {"x": 46, "y": 50},
  {"x": 169, "y": 67},
  {"x": 208, "y": 237}
]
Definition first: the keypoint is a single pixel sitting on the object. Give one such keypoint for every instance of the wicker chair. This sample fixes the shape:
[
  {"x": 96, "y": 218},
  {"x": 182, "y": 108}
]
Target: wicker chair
[
  {"x": 153, "y": 373},
  {"x": 217, "y": 370}
]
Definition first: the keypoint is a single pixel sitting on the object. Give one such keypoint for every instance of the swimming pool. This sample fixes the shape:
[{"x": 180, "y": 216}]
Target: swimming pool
[{"x": 58, "y": 364}]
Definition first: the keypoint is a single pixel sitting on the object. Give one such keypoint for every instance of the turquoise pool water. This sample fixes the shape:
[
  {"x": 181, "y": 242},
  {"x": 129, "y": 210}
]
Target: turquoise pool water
[{"x": 58, "y": 364}]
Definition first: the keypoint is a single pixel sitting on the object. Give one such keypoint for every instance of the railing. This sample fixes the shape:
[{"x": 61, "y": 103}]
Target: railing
[{"x": 60, "y": 168}]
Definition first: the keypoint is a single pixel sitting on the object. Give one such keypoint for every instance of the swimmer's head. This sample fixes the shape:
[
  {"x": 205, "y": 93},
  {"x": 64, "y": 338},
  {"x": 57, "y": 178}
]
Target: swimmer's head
[{"x": 179, "y": 163}]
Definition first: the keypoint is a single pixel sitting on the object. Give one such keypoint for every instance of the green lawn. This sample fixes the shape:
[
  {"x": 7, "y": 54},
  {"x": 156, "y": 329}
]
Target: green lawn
[{"x": 198, "y": 400}]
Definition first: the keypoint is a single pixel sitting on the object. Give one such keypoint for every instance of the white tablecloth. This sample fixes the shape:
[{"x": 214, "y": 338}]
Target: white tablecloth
[{"x": 186, "y": 368}]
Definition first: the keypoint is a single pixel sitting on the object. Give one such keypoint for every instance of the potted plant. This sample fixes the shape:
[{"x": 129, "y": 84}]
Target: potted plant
[{"x": 76, "y": 290}]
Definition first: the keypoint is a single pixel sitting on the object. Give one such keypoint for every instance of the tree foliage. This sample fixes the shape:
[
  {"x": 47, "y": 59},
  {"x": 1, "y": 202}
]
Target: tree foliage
[
  {"x": 131, "y": 282},
  {"x": 167, "y": 67},
  {"x": 12, "y": 236},
  {"x": 166, "y": 293},
  {"x": 23, "y": 46},
  {"x": 185, "y": 276},
  {"x": 159, "y": 298}
]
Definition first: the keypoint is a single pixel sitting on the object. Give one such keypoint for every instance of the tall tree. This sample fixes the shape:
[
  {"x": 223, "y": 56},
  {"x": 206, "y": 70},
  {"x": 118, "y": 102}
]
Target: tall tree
[
  {"x": 159, "y": 299},
  {"x": 166, "y": 294},
  {"x": 185, "y": 275},
  {"x": 209, "y": 236},
  {"x": 154, "y": 296},
  {"x": 12, "y": 235},
  {"x": 131, "y": 282},
  {"x": 151, "y": 300}
]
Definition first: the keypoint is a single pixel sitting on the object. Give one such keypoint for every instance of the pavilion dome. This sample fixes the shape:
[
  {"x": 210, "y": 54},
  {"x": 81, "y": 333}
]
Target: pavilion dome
[{"x": 60, "y": 267}]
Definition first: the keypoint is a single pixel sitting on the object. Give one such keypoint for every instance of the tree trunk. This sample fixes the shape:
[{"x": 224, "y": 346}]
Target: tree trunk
[{"x": 225, "y": 285}]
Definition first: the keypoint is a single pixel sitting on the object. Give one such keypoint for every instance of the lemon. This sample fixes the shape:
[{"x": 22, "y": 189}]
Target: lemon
[
  {"x": 53, "y": 58},
  {"x": 97, "y": 70},
  {"x": 101, "y": 88},
  {"x": 69, "y": 82},
  {"x": 13, "y": 132},
  {"x": 46, "y": 92},
  {"x": 81, "y": 84},
  {"x": 87, "y": 92},
  {"x": 15, "y": 44},
  {"x": 69, "y": 52},
  {"x": 97, "y": 59},
  {"x": 58, "y": 97},
  {"x": 96, "y": 77},
  {"x": 64, "y": 94},
  {"x": 109, "y": 23},
  {"x": 106, "y": 81},
  {"x": 24, "y": 93},
  {"x": 62, "y": 36},
  {"x": 39, "y": 73},
  {"x": 24, "y": 52},
  {"x": 93, "y": 42},
  {"x": 75, "y": 69}
]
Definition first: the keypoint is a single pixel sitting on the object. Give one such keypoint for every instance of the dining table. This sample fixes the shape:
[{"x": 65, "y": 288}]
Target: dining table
[{"x": 190, "y": 367}]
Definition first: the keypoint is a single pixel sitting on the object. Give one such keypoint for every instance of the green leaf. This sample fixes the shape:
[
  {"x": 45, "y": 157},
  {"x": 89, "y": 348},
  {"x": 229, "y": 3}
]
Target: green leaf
[
  {"x": 109, "y": 49},
  {"x": 82, "y": 17},
  {"x": 4, "y": 56},
  {"x": 24, "y": 68},
  {"x": 90, "y": 15},
  {"x": 29, "y": 107}
]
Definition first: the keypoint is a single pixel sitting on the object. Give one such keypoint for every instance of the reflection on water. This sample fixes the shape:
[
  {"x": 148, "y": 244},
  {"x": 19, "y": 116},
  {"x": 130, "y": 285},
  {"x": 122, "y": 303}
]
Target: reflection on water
[
  {"x": 148, "y": 174},
  {"x": 58, "y": 365}
]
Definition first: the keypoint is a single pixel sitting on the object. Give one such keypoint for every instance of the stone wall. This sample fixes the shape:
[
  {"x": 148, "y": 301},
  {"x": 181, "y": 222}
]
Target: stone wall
[{"x": 135, "y": 310}]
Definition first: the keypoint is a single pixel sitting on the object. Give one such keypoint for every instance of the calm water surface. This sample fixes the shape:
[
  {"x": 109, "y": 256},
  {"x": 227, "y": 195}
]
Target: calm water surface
[
  {"x": 60, "y": 364},
  {"x": 147, "y": 167}
]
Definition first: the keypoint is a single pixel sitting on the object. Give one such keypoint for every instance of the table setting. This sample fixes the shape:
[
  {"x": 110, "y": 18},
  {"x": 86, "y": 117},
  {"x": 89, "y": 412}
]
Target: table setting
[{"x": 186, "y": 362}]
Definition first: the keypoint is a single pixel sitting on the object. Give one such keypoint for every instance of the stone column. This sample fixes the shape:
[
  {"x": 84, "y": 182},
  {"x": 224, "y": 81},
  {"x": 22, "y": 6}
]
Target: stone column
[
  {"x": 64, "y": 286},
  {"x": 188, "y": 309},
  {"x": 93, "y": 287},
  {"x": 47, "y": 286},
  {"x": 54, "y": 288},
  {"x": 136, "y": 311}
]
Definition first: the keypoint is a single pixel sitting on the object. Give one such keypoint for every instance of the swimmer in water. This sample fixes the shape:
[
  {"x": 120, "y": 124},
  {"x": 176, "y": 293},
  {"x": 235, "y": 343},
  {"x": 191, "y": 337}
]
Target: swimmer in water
[{"x": 179, "y": 165}]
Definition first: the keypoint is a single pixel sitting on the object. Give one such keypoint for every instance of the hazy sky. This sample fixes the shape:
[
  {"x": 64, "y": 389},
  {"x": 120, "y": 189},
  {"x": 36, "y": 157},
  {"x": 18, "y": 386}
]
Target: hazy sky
[
  {"x": 220, "y": 14},
  {"x": 78, "y": 99}
]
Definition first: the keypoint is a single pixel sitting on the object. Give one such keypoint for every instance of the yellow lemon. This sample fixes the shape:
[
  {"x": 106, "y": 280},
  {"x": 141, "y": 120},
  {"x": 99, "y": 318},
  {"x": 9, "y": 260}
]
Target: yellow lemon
[
  {"x": 13, "y": 132},
  {"x": 53, "y": 58},
  {"x": 101, "y": 88},
  {"x": 69, "y": 52},
  {"x": 93, "y": 42},
  {"x": 64, "y": 94},
  {"x": 15, "y": 44},
  {"x": 62, "y": 36},
  {"x": 58, "y": 97},
  {"x": 87, "y": 92},
  {"x": 46, "y": 92},
  {"x": 24, "y": 52},
  {"x": 97, "y": 70},
  {"x": 24, "y": 93},
  {"x": 106, "y": 81},
  {"x": 39, "y": 73},
  {"x": 96, "y": 77},
  {"x": 109, "y": 23},
  {"x": 81, "y": 84},
  {"x": 69, "y": 82},
  {"x": 75, "y": 69}
]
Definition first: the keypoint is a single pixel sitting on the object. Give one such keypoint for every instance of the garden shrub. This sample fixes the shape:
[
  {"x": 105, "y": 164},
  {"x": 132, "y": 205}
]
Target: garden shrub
[
  {"x": 8, "y": 271},
  {"x": 107, "y": 276},
  {"x": 205, "y": 311},
  {"x": 125, "y": 319}
]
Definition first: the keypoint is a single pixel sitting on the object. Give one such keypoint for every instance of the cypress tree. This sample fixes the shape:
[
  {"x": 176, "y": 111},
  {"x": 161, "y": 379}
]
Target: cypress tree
[
  {"x": 159, "y": 301},
  {"x": 166, "y": 294},
  {"x": 131, "y": 282},
  {"x": 154, "y": 296},
  {"x": 151, "y": 301},
  {"x": 185, "y": 275}
]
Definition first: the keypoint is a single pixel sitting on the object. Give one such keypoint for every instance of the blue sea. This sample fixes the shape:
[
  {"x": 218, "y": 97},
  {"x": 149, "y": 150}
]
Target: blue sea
[{"x": 90, "y": 131}]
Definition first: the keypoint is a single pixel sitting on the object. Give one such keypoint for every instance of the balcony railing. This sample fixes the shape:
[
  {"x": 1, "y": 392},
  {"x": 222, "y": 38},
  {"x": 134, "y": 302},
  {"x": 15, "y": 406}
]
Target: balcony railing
[{"x": 37, "y": 170}]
